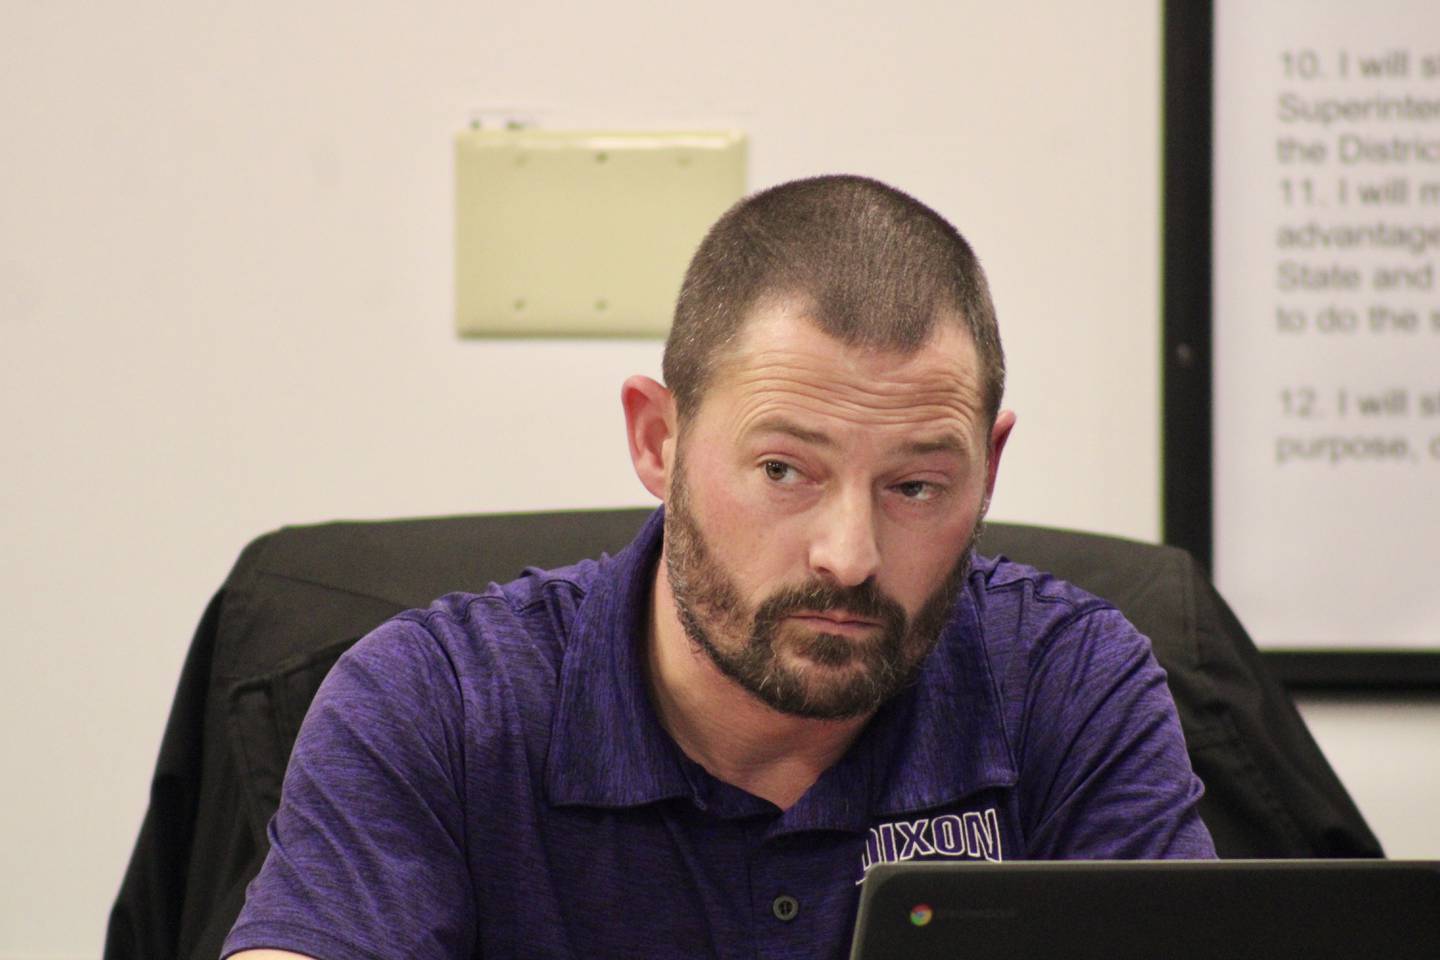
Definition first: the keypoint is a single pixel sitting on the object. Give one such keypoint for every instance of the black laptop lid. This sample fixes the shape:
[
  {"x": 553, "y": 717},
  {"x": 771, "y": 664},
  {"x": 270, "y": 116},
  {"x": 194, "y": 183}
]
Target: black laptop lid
[{"x": 1169, "y": 910}]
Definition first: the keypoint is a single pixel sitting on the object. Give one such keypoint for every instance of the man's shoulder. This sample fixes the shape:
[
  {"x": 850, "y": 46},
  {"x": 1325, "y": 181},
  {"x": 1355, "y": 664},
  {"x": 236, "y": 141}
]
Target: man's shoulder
[
  {"x": 513, "y": 632},
  {"x": 1044, "y": 638},
  {"x": 1018, "y": 604},
  {"x": 555, "y": 592},
  {"x": 1027, "y": 620}
]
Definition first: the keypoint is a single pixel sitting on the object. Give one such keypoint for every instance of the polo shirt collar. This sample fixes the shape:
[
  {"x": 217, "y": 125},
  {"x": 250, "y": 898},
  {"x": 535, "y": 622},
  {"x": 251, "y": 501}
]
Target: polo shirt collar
[
  {"x": 938, "y": 741},
  {"x": 607, "y": 746}
]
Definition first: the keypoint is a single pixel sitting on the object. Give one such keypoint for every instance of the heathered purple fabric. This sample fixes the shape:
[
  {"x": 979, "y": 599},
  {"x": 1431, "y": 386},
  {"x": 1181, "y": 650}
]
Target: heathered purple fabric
[{"x": 487, "y": 778}]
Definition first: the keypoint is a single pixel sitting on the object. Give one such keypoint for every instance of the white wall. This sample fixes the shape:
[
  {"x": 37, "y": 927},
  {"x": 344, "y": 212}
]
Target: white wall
[{"x": 225, "y": 240}]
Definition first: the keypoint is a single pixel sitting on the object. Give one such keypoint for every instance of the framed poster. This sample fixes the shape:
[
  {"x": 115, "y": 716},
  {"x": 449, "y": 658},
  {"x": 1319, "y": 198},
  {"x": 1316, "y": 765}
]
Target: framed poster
[{"x": 1302, "y": 326}]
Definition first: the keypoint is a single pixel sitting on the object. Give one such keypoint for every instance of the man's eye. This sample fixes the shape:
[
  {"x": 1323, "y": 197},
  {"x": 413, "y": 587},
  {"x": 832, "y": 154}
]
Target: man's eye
[
  {"x": 778, "y": 471},
  {"x": 917, "y": 490}
]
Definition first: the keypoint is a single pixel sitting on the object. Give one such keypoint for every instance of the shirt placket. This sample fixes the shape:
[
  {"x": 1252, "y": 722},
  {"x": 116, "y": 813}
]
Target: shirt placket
[{"x": 802, "y": 895}]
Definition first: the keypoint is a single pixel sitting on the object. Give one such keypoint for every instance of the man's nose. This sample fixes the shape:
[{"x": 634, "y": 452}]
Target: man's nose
[{"x": 845, "y": 547}]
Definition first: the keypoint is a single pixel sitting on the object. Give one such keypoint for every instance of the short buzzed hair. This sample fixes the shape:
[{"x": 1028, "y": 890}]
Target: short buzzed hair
[{"x": 873, "y": 266}]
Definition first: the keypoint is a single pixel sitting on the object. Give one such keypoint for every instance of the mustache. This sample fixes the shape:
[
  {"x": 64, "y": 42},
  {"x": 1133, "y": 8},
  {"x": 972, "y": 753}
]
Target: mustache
[{"x": 863, "y": 600}]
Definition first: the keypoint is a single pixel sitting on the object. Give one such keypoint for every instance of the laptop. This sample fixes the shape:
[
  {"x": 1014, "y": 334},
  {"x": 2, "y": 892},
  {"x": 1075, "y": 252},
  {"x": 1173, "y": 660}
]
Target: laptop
[{"x": 1151, "y": 910}]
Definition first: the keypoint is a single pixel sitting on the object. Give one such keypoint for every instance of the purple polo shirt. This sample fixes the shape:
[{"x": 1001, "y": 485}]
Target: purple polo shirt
[{"x": 488, "y": 778}]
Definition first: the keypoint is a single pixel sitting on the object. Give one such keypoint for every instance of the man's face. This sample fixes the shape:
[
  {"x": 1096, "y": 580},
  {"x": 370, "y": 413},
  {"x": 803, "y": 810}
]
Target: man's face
[{"x": 821, "y": 510}]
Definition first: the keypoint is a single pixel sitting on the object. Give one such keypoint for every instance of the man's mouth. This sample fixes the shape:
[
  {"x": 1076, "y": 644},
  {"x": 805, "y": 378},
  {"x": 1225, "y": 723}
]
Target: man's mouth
[{"x": 835, "y": 621}]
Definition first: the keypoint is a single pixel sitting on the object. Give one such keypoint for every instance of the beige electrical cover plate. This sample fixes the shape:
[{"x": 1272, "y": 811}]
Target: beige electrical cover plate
[{"x": 583, "y": 233}]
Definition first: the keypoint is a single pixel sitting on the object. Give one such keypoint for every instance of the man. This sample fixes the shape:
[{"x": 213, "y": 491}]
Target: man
[{"x": 798, "y": 668}]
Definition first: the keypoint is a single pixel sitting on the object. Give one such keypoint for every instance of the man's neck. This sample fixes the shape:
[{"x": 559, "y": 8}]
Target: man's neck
[{"x": 723, "y": 727}]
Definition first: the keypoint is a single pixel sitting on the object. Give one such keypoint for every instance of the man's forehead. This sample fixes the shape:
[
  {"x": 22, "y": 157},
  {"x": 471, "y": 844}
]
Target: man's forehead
[
  {"x": 784, "y": 335},
  {"x": 784, "y": 360}
]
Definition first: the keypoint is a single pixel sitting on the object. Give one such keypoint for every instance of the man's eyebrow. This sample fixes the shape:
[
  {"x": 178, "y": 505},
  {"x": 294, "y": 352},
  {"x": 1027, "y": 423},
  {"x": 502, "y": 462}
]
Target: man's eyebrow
[
  {"x": 947, "y": 442},
  {"x": 777, "y": 424}
]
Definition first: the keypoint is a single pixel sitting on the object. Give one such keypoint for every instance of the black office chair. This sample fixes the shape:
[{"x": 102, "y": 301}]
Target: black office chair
[{"x": 298, "y": 597}]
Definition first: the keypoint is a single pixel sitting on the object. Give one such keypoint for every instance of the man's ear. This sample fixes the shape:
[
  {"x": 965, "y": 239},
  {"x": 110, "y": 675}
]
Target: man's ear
[
  {"x": 999, "y": 434},
  {"x": 651, "y": 427}
]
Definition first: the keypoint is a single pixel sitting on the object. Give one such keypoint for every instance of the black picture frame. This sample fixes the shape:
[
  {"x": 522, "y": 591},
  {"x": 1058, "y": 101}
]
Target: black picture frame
[{"x": 1186, "y": 366}]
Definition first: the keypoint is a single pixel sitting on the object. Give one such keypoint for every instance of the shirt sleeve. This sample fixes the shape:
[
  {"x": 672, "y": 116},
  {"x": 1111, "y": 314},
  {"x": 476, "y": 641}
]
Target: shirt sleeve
[
  {"x": 367, "y": 850},
  {"x": 1106, "y": 771}
]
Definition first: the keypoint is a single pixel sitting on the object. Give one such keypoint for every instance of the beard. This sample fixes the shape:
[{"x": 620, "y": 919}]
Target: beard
[{"x": 829, "y": 677}]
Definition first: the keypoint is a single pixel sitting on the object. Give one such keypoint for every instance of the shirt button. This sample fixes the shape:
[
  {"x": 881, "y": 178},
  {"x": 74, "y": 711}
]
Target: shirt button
[{"x": 785, "y": 907}]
